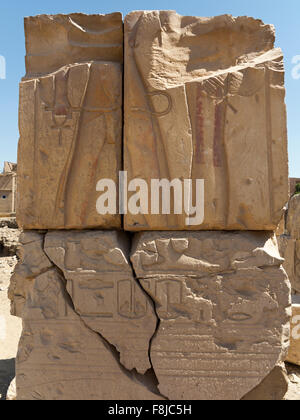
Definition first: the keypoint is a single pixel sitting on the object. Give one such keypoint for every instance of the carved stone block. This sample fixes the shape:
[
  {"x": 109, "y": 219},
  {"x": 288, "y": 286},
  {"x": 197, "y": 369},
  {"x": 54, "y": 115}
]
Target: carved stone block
[
  {"x": 204, "y": 99},
  {"x": 104, "y": 291},
  {"x": 60, "y": 359},
  {"x": 223, "y": 300},
  {"x": 70, "y": 120},
  {"x": 290, "y": 251}
]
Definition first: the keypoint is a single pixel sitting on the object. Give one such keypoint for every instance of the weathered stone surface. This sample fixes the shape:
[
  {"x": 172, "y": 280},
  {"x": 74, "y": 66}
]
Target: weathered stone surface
[
  {"x": 190, "y": 86},
  {"x": 9, "y": 239},
  {"x": 104, "y": 292},
  {"x": 273, "y": 388},
  {"x": 290, "y": 251},
  {"x": 223, "y": 300},
  {"x": 9, "y": 222},
  {"x": 76, "y": 364},
  {"x": 293, "y": 218},
  {"x": 12, "y": 391},
  {"x": 52, "y": 41},
  {"x": 294, "y": 350},
  {"x": 33, "y": 262},
  {"x": 70, "y": 120}
]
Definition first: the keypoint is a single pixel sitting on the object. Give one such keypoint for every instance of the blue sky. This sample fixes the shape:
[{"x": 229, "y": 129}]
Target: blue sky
[{"x": 285, "y": 15}]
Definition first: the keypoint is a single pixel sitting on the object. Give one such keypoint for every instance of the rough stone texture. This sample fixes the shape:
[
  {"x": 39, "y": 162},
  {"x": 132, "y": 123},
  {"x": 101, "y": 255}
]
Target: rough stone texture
[
  {"x": 294, "y": 350},
  {"x": 33, "y": 262},
  {"x": 12, "y": 391},
  {"x": 273, "y": 388},
  {"x": 190, "y": 85},
  {"x": 55, "y": 41},
  {"x": 293, "y": 393},
  {"x": 290, "y": 251},
  {"x": 288, "y": 248},
  {"x": 101, "y": 284},
  {"x": 293, "y": 218},
  {"x": 7, "y": 194},
  {"x": 70, "y": 107},
  {"x": 77, "y": 363},
  {"x": 224, "y": 304}
]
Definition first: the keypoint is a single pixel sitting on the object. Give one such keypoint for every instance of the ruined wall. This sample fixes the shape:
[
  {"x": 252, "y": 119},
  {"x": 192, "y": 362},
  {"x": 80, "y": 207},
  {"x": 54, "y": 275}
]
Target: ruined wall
[{"x": 111, "y": 311}]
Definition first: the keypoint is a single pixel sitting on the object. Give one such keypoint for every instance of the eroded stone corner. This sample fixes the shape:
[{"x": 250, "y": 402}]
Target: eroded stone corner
[{"x": 223, "y": 301}]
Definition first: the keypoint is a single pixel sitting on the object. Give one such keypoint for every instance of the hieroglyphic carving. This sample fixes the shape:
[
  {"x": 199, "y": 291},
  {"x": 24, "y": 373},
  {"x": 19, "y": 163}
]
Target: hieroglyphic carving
[
  {"x": 75, "y": 362},
  {"x": 68, "y": 112},
  {"x": 104, "y": 292},
  {"x": 223, "y": 301},
  {"x": 211, "y": 136},
  {"x": 32, "y": 263}
]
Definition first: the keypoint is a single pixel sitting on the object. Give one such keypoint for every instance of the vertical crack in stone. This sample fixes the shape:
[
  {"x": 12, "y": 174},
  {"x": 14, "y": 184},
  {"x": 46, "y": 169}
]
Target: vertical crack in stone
[
  {"x": 156, "y": 329},
  {"x": 148, "y": 380}
]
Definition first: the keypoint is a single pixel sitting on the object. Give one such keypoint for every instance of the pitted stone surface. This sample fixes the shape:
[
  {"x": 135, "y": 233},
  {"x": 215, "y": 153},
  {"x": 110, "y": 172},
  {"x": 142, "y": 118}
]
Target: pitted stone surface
[
  {"x": 224, "y": 304},
  {"x": 190, "y": 85},
  {"x": 70, "y": 120},
  {"x": 75, "y": 363}
]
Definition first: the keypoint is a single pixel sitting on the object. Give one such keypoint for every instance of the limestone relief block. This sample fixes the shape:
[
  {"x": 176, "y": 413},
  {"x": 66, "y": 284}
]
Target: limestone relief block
[
  {"x": 101, "y": 284},
  {"x": 204, "y": 99},
  {"x": 70, "y": 120},
  {"x": 290, "y": 251},
  {"x": 223, "y": 301},
  {"x": 33, "y": 262},
  {"x": 60, "y": 359},
  {"x": 294, "y": 350}
]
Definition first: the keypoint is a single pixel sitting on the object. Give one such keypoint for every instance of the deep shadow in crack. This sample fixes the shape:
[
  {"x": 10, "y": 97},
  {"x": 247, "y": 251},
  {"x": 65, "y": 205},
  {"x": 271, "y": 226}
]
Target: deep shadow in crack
[
  {"x": 148, "y": 380},
  {"x": 7, "y": 374}
]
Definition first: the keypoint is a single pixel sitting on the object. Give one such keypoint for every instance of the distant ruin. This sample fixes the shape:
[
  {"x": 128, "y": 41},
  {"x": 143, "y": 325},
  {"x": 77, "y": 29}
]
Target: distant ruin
[{"x": 8, "y": 190}]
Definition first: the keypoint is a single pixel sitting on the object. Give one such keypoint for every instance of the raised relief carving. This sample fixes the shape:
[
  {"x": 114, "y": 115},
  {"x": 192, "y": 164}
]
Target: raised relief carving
[
  {"x": 223, "y": 315},
  {"x": 104, "y": 291}
]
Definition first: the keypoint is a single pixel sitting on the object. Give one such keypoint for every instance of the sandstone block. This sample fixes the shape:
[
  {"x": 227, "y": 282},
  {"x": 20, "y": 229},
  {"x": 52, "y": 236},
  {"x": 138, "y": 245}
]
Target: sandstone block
[
  {"x": 60, "y": 335},
  {"x": 223, "y": 301},
  {"x": 294, "y": 350},
  {"x": 70, "y": 120},
  {"x": 104, "y": 291},
  {"x": 190, "y": 86},
  {"x": 290, "y": 251},
  {"x": 76, "y": 364}
]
